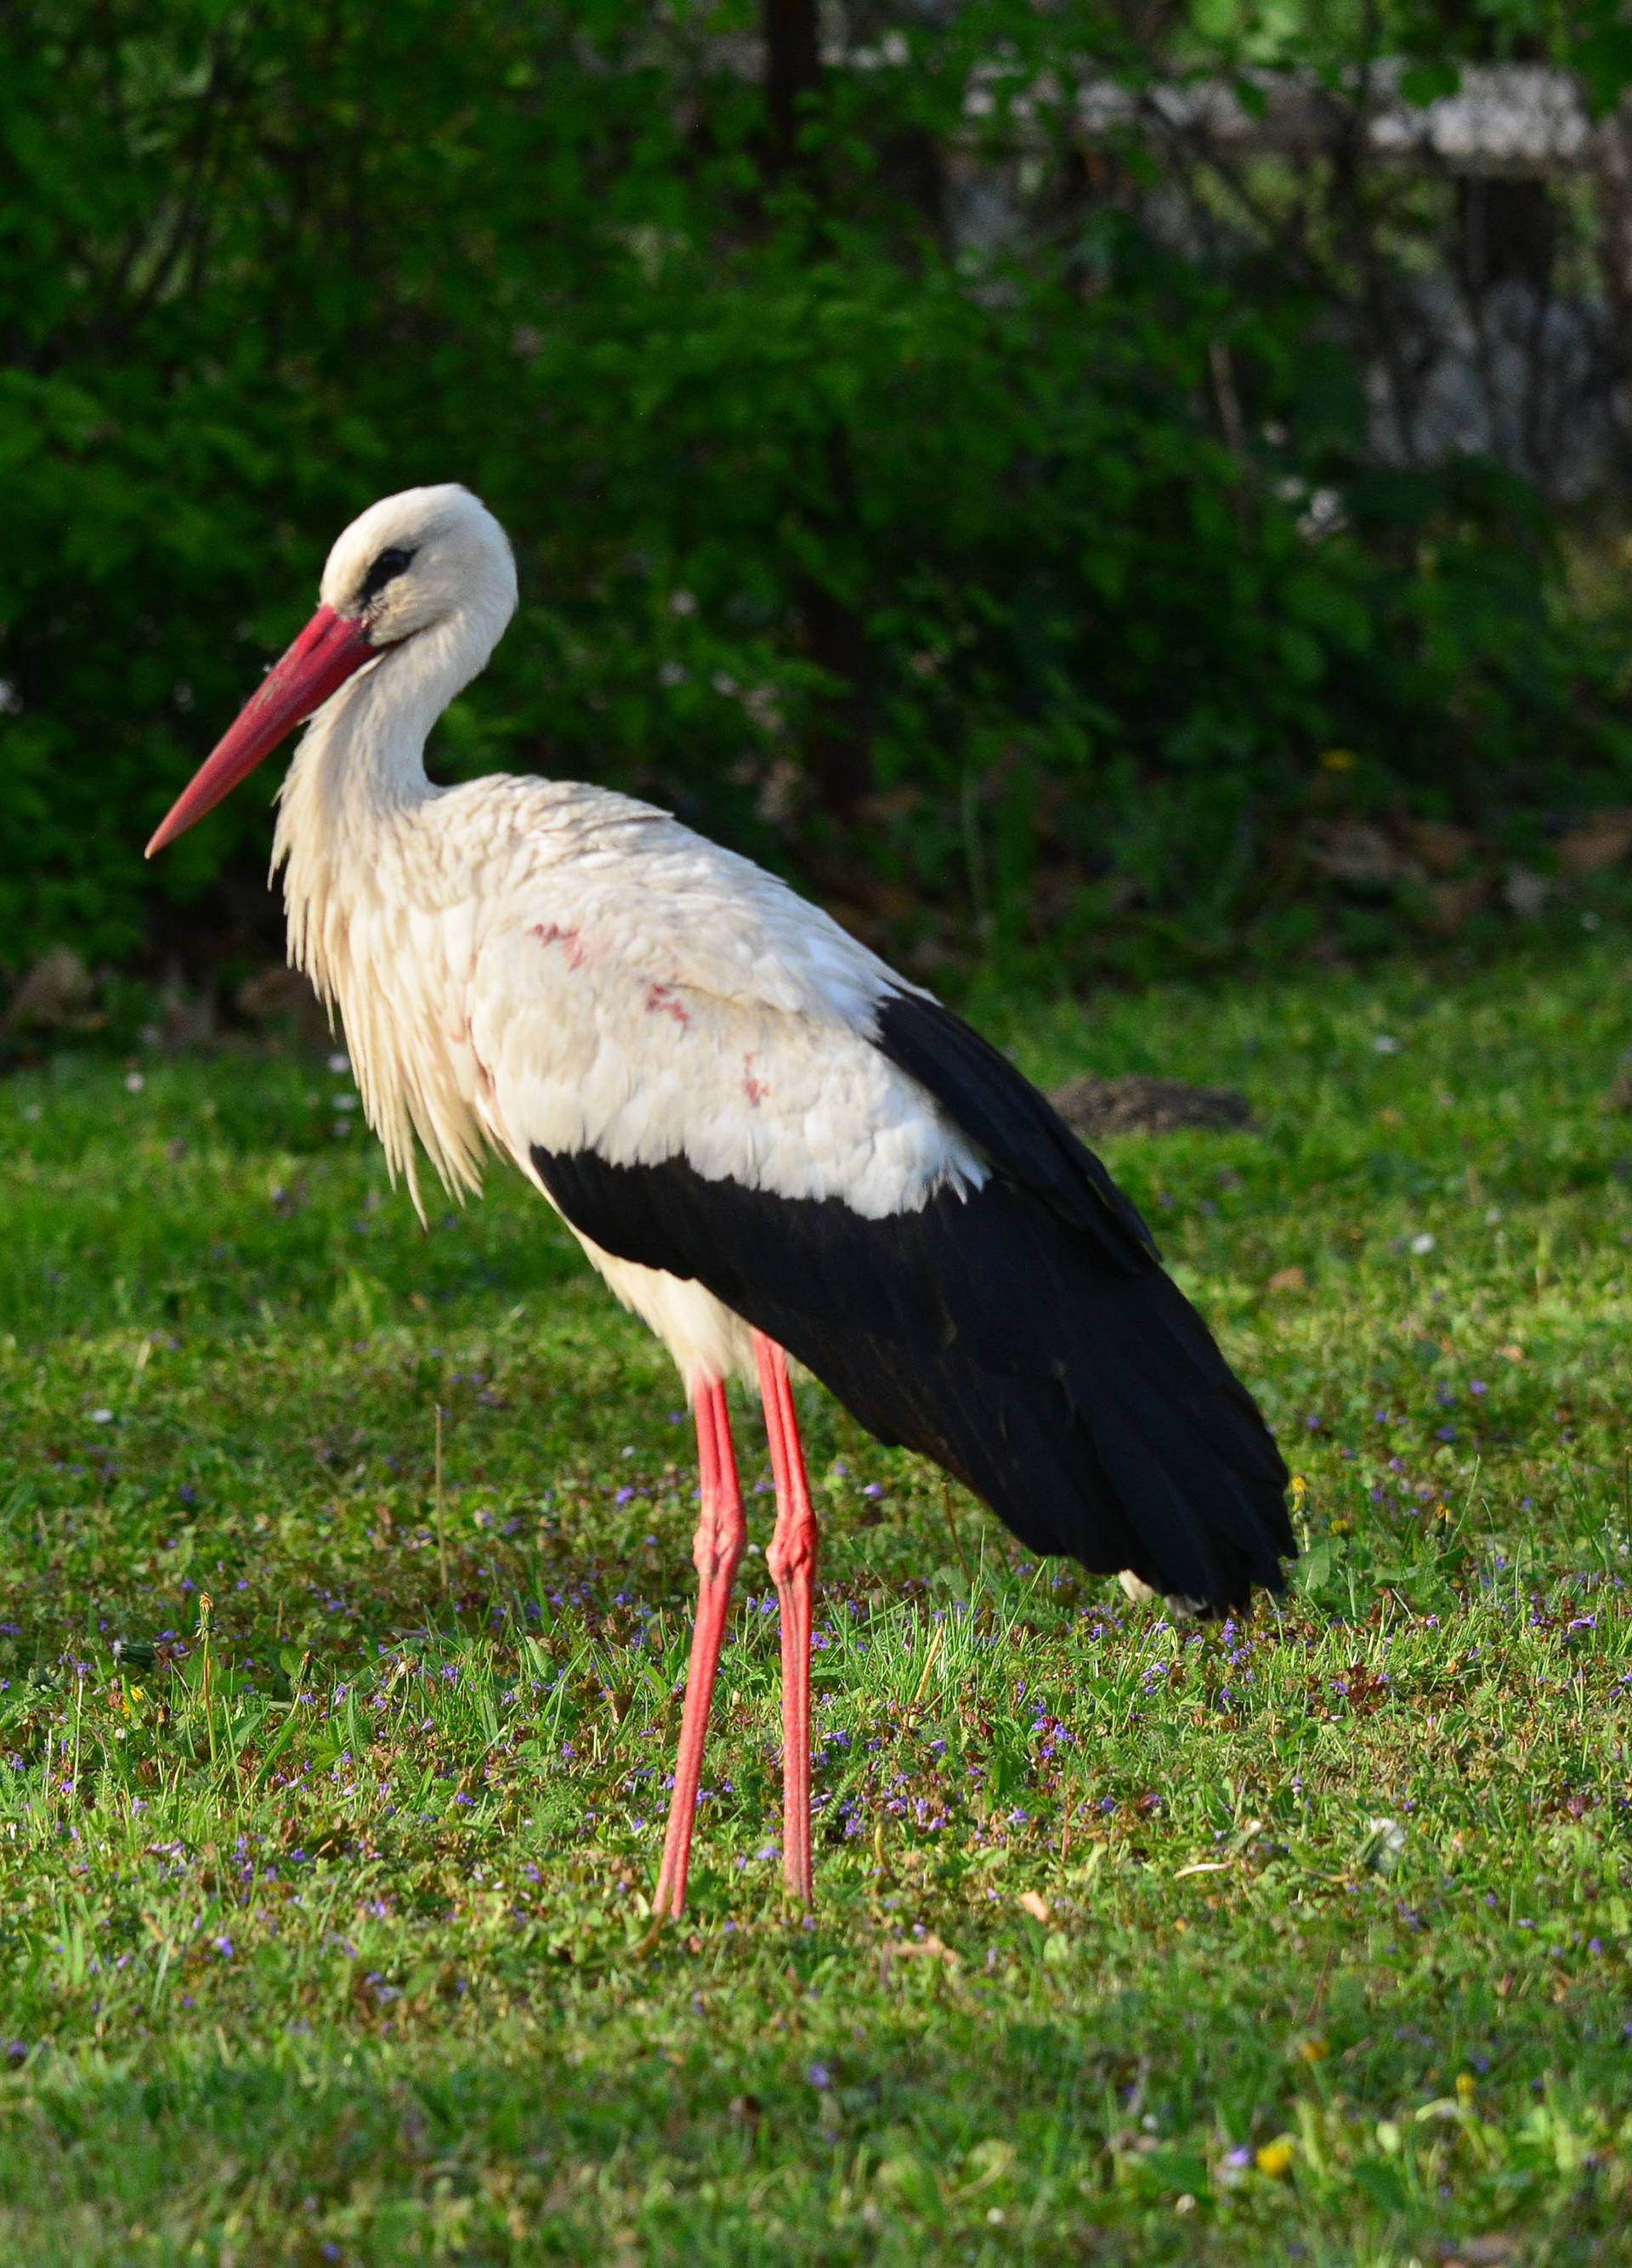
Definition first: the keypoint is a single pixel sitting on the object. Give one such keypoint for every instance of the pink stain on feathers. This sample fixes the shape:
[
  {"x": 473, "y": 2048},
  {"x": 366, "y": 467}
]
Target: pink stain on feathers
[
  {"x": 660, "y": 1001},
  {"x": 552, "y": 933}
]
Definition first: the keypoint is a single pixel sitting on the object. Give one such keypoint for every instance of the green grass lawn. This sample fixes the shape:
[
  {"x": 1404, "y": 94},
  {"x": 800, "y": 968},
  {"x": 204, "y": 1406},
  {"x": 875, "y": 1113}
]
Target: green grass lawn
[{"x": 1309, "y": 1939}]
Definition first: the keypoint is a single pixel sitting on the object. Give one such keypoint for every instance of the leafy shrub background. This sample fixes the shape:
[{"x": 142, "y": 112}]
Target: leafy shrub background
[{"x": 933, "y": 575}]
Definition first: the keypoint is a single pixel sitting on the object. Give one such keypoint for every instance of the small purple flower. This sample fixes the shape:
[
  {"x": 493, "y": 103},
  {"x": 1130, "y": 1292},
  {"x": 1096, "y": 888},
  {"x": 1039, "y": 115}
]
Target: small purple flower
[
  {"x": 223, "y": 1946},
  {"x": 819, "y": 2076}
]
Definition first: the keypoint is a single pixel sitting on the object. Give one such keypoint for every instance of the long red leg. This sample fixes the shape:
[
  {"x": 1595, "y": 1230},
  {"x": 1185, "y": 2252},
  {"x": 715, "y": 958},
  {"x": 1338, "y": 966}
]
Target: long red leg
[
  {"x": 716, "y": 1547},
  {"x": 792, "y": 1561}
]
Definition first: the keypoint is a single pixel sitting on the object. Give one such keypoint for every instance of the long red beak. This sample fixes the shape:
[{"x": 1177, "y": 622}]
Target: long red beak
[{"x": 328, "y": 649}]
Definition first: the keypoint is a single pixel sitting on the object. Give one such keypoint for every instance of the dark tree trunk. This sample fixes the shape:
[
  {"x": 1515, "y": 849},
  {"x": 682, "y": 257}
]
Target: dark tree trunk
[
  {"x": 837, "y": 755},
  {"x": 1613, "y": 181},
  {"x": 1510, "y": 232},
  {"x": 793, "y": 70}
]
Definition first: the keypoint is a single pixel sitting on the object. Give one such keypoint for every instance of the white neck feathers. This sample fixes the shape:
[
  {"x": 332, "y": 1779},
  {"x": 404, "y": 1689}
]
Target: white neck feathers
[{"x": 358, "y": 869}]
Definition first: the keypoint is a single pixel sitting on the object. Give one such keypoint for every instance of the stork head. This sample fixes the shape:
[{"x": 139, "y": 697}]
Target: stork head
[
  {"x": 412, "y": 561},
  {"x": 431, "y": 560}
]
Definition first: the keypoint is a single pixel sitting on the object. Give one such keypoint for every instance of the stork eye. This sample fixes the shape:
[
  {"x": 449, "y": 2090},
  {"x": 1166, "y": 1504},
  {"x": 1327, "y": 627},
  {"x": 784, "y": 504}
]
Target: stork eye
[{"x": 385, "y": 569}]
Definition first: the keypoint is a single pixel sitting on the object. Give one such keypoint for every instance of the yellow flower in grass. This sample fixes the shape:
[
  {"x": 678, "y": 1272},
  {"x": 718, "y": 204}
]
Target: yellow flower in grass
[{"x": 1275, "y": 2158}]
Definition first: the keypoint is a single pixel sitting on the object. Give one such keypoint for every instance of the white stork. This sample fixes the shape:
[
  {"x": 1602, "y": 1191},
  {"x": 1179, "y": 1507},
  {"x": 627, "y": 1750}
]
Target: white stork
[{"x": 767, "y": 1142}]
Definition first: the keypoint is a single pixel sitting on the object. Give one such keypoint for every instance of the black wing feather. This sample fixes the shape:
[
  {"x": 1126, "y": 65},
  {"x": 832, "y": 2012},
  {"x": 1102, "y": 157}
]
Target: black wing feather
[
  {"x": 1019, "y": 1130},
  {"x": 1023, "y": 1335}
]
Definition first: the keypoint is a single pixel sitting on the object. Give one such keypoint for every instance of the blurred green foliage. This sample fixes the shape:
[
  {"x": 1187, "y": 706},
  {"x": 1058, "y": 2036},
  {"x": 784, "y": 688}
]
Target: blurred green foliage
[{"x": 949, "y": 576}]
